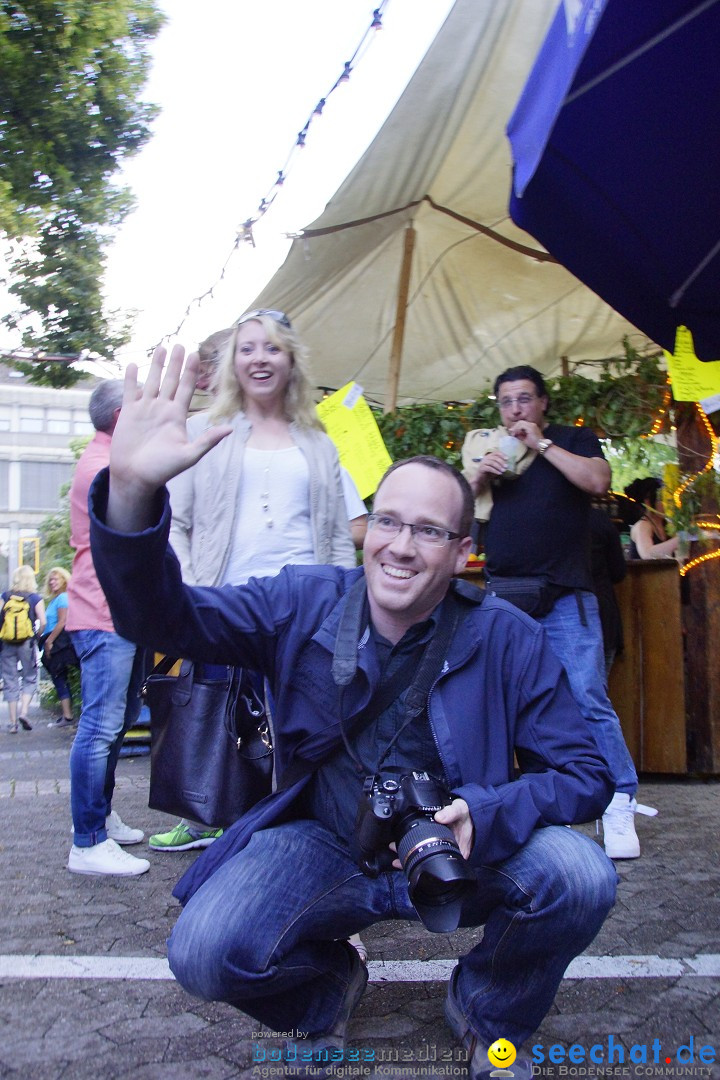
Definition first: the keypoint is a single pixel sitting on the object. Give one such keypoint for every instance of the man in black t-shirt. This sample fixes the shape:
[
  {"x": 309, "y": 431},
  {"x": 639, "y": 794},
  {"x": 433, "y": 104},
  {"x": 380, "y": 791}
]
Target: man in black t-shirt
[{"x": 539, "y": 528}]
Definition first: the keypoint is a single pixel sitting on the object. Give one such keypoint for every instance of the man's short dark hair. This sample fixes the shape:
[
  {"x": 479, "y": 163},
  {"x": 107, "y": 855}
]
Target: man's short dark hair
[
  {"x": 523, "y": 371},
  {"x": 431, "y": 462}
]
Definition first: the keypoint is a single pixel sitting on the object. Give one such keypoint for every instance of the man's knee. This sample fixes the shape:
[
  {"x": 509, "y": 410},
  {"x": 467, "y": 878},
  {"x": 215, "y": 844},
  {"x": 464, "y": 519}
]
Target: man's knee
[
  {"x": 209, "y": 956},
  {"x": 196, "y": 958},
  {"x": 586, "y": 877},
  {"x": 572, "y": 870}
]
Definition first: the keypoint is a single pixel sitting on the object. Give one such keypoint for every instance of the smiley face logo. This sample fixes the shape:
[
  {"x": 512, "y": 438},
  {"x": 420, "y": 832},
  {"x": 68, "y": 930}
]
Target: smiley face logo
[{"x": 502, "y": 1053}]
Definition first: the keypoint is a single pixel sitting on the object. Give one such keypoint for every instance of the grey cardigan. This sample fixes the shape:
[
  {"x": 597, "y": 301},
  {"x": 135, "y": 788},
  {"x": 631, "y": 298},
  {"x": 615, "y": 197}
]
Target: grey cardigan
[{"x": 204, "y": 502}]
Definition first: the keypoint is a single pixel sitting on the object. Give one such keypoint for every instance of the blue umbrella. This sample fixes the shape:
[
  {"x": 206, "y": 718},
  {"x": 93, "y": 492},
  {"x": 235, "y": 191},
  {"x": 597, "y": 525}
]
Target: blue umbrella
[{"x": 616, "y": 148}]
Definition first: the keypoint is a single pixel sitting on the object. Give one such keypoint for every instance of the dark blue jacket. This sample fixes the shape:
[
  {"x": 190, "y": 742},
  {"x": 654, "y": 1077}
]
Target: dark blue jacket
[{"x": 501, "y": 693}]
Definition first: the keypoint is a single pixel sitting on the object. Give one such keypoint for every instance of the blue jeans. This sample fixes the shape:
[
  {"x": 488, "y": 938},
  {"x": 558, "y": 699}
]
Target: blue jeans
[
  {"x": 111, "y": 672},
  {"x": 580, "y": 650},
  {"x": 61, "y": 684},
  {"x": 262, "y": 933}
]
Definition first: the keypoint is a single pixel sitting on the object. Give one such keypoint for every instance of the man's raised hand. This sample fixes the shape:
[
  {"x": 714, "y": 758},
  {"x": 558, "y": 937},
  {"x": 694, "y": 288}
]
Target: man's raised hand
[{"x": 150, "y": 443}]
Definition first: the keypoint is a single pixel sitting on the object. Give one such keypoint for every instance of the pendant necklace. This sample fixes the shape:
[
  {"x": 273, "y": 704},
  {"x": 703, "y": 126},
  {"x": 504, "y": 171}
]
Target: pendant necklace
[{"x": 265, "y": 494}]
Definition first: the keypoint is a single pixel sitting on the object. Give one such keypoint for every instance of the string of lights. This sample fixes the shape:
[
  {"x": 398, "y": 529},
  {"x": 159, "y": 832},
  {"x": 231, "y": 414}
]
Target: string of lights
[
  {"x": 707, "y": 556},
  {"x": 660, "y": 418},
  {"x": 244, "y": 234},
  {"x": 709, "y": 464},
  {"x": 707, "y": 526}
]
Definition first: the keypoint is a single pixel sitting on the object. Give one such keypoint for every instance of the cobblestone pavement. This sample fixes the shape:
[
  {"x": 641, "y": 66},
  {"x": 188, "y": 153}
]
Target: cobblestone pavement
[{"x": 71, "y": 1008}]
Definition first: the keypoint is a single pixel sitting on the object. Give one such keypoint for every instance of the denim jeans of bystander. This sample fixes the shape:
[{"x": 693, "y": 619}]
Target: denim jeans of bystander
[
  {"x": 111, "y": 672},
  {"x": 580, "y": 650}
]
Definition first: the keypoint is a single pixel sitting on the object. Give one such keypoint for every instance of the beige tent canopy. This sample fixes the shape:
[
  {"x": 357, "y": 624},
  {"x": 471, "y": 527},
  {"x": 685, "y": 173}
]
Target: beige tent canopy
[{"x": 414, "y": 282}]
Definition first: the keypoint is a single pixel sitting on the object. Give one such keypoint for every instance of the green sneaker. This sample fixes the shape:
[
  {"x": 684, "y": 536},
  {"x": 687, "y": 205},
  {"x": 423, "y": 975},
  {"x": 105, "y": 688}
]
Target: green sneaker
[{"x": 183, "y": 837}]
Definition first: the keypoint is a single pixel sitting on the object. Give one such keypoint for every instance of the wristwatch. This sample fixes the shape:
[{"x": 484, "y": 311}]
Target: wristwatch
[{"x": 544, "y": 445}]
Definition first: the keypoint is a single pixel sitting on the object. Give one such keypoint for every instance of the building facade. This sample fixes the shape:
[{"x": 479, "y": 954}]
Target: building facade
[{"x": 37, "y": 427}]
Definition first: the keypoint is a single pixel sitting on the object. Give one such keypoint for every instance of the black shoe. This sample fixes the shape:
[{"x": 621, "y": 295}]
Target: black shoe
[
  {"x": 479, "y": 1066},
  {"x": 25, "y": 724},
  {"x": 321, "y": 1055}
]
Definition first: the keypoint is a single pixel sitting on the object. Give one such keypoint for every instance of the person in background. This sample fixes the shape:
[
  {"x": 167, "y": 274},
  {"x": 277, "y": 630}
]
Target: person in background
[
  {"x": 278, "y": 469},
  {"x": 56, "y": 584},
  {"x": 539, "y": 529},
  {"x": 112, "y": 669},
  {"x": 608, "y": 566},
  {"x": 22, "y": 652},
  {"x": 355, "y": 507},
  {"x": 210, "y": 352},
  {"x": 648, "y": 539}
]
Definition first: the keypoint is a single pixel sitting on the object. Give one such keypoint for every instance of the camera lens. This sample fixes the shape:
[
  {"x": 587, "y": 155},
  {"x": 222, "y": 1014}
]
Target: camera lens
[{"x": 438, "y": 876}]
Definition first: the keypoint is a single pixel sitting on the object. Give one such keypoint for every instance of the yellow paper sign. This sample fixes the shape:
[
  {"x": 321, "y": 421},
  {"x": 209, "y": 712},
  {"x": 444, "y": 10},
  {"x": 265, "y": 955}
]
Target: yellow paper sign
[
  {"x": 350, "y": 423},
  {"x": 691, "y": 379}
]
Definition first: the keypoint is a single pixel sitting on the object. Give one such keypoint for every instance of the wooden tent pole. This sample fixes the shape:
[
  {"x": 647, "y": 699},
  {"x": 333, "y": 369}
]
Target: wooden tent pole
[{"x": 400, "y": 315}]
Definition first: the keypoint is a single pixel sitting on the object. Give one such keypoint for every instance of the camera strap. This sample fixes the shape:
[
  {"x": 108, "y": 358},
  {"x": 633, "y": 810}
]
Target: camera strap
[
  {"x": 352, "y": 621},
  {"x": 427, "y": 670},
  {"x": 382, "y": 699},
  {"x": 426, "y": 661}
]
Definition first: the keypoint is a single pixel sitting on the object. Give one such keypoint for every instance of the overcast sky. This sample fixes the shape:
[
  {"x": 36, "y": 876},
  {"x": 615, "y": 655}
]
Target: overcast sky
[{"x": 236, "y": 81}]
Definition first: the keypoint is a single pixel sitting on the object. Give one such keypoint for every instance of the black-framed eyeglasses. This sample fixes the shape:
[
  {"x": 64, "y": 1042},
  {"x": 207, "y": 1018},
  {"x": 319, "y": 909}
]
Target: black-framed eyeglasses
[
  {"x": 279, "y": 317},
  {"x": 424, "y": 534}
]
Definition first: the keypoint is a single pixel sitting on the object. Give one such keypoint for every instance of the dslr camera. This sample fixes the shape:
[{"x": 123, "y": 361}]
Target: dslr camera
[{"x": 403, "y": 810}]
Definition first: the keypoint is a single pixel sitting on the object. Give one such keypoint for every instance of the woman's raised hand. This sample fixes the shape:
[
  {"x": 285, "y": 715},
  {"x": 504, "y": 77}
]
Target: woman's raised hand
[{"x": 149, "y": 442}]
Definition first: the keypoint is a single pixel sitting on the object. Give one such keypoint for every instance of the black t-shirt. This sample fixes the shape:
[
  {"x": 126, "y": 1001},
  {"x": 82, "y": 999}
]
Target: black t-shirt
[{"x": 540, "y": 522}]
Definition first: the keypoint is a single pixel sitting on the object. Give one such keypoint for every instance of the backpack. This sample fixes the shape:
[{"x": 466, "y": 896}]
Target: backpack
[{"x": 17, "y": 619}]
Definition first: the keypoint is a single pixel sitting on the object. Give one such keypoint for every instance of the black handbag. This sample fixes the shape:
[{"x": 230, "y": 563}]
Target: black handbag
[
  {"x": 533, "y": 595},
  {"x": 211, "y": 752},
  {"x": 61, "y": 656}
]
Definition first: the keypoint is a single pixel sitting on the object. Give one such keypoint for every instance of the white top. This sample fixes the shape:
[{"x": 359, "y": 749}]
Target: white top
[
  {"x": 273, "y": 524},
  {"x": 353, "y": 503}
]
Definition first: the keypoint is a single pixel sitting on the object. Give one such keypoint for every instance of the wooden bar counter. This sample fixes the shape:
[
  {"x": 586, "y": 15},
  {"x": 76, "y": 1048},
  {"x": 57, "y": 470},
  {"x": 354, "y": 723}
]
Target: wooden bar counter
[
  {"x": 647, "y": 682},
  {"x": 701, "y": 630}
]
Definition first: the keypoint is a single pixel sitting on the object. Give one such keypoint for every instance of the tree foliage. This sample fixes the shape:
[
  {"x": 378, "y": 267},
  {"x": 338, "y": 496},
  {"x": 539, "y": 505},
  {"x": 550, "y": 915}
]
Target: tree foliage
[{"x": 71, "y": 77}]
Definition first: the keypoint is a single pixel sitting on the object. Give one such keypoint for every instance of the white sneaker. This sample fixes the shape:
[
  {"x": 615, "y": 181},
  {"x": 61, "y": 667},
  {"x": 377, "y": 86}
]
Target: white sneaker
[
  {"x": 105, "y": 858},
  {"x": 121, "y": 833},
  {"x": 621, "y": 840}
]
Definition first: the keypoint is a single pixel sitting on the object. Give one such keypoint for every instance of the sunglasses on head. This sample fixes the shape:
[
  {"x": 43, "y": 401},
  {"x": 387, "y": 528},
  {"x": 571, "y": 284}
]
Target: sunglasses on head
[{"x": 279, "y": 317}]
